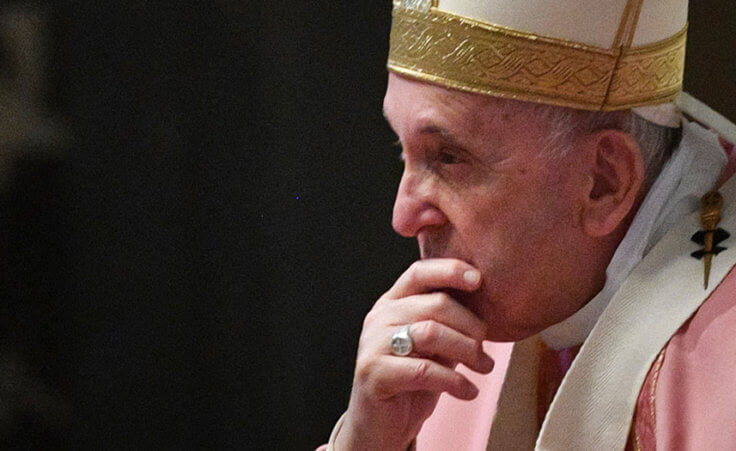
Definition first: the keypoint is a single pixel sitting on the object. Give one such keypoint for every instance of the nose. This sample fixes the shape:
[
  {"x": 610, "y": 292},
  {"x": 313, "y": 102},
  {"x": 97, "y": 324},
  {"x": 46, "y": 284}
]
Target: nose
[{"x": 415, "y": 207}]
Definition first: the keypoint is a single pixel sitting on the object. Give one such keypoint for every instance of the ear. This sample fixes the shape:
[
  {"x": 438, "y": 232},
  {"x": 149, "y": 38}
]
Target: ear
[{"x": 616, "y": 175}]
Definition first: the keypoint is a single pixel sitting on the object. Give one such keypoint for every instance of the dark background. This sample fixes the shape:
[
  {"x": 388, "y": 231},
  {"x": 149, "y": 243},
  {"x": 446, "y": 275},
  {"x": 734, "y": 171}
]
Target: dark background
[{"x": 191, "y": 269}]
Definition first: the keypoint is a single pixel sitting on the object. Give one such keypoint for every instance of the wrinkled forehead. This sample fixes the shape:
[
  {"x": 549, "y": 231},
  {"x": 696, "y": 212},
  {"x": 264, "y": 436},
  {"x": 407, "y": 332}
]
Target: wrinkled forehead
[{"x": 409, "y": 100}]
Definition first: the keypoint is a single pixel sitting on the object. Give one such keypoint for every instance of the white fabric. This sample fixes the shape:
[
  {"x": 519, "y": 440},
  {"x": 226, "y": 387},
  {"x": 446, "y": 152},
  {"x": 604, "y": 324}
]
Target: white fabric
[
  {"x": 670, "y": 115},
  {"x": 693, "y": 170},
  {"x": 593, "y": 22},
  {"x": 666, "y": 114},
  {"x": 598, "y": 395},
  {"x": 660, "y": 19},
  {"x": 707, "y": 116},
  {"x": 708, "y": 161}
]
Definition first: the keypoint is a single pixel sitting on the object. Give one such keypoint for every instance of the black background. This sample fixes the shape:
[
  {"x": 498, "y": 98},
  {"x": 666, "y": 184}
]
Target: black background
[{"x": 193, "y": 271}]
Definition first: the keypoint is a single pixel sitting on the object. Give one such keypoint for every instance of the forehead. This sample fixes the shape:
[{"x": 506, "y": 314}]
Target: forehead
[{"x": 409, "y": 102}]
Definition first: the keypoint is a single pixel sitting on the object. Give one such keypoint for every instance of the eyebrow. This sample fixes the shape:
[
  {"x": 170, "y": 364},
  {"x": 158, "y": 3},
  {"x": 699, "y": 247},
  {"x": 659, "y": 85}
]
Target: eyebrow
[
  {"x": 443, "y": 133},
  {"x": 431, "y": 130},
  {"x": 385, "y": 117}
]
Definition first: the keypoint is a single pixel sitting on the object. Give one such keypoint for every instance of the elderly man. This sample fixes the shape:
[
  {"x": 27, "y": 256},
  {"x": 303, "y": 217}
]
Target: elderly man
[{"x": 554, "y": 188}]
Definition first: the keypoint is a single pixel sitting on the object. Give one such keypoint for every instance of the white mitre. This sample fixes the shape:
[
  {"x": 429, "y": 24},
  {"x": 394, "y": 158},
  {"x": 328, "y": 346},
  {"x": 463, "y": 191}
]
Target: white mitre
[{"x": 586, "y": 54}]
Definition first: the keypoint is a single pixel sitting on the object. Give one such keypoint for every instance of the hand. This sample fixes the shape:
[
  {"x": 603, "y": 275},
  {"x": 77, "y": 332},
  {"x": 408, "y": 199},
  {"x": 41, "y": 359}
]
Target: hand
[{"x": 392, "y": 396}]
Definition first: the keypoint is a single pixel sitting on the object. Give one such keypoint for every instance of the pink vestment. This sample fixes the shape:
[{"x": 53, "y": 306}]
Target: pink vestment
[
  {"x": 463, "y": 425},
  {"x": 689, "y": 403}
]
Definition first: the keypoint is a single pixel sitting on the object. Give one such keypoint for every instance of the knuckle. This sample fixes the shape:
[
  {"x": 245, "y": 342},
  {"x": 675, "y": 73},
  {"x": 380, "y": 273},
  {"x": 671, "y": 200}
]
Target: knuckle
[
  {"x": 414, "y": 267},
  {"x": 369, "y": 319},
  {"x": 363, "y": 371},
  {"x": 439, "y": 302},
  {"x": 385, "y": 297},
  {"x": 443, "y": 298},
  {"x": 431, "y": 332},
  {"x": 412, "y": 274},
  {"x": 421, "y": 371}
]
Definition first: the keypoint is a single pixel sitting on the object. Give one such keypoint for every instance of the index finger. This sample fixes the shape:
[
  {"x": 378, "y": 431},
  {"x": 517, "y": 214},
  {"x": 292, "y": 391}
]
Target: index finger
[{"x": 425, "y": 276}]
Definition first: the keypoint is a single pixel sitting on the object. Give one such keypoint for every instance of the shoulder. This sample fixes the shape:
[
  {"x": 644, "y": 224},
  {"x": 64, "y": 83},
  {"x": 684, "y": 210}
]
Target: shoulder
[
  {"x": 696, "y": 392},
  {"x": 712, "y": 327}
]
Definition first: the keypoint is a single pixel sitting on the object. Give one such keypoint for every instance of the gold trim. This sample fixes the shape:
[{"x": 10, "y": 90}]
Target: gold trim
[
  {"x": 470, "y": 55},
  {"x": 649, "y": 75},
  {"x": 653, "y": 392},
  {"x": 627, "y": 27},
  {"x": 651, "y": 398},
  {"x": 634, "y": 437}
]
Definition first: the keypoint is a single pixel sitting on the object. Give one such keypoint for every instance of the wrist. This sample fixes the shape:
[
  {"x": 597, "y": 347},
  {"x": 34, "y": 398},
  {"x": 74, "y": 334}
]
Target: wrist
[{"x": 346, "y": 437}]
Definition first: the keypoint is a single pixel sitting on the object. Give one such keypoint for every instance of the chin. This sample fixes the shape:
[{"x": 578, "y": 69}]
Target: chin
[{"x": 504, "y": 325}]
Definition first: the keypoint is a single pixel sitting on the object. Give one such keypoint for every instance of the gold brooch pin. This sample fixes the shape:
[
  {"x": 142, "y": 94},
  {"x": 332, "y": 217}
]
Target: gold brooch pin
[{"x": 710, "y": 236}]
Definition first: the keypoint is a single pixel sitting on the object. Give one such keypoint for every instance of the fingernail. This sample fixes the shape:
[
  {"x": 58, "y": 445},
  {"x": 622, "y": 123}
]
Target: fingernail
[{"x": 472, "y": 276}]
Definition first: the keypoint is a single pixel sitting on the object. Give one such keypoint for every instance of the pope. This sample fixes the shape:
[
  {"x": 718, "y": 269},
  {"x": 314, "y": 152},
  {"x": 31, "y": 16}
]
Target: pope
[{"x": 553, "y": 177}]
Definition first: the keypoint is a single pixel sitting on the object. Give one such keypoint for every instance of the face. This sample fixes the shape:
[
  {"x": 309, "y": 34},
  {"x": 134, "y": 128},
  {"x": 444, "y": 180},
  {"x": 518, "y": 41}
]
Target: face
[{"x": 478, "y": 187}]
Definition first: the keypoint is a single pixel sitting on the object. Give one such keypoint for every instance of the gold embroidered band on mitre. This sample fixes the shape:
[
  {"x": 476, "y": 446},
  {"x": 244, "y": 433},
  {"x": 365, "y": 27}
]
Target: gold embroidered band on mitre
[{"x": 466, "y": 54}]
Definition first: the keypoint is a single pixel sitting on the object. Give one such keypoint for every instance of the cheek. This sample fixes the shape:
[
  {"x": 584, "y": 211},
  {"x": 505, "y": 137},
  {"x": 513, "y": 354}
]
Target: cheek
[
  {"x": 513, "y": 224},
  {"x": 493, "y": 233},
  {"x": 550, "y": 199}
]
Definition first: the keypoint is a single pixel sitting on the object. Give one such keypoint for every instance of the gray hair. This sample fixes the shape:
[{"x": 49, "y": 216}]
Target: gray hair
[{"x": 565, "y": 124}]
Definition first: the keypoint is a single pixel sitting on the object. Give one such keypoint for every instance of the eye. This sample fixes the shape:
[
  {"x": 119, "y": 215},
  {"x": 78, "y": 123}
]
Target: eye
[{"x": 445, "y": 157}]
